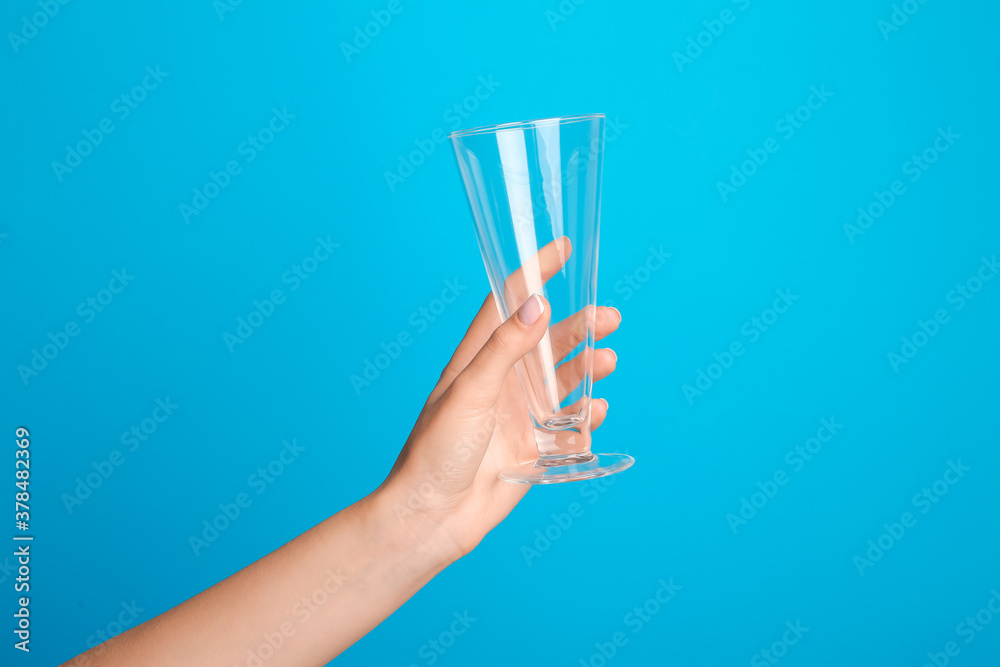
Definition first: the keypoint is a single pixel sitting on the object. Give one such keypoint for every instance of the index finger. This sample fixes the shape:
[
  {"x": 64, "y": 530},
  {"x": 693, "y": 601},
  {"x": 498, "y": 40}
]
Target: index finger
[{"x": 533, "y": 273}]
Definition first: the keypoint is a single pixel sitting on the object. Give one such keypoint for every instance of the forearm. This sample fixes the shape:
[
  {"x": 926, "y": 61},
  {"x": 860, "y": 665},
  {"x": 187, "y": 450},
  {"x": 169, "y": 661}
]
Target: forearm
[{"x": 306, "y": 602}]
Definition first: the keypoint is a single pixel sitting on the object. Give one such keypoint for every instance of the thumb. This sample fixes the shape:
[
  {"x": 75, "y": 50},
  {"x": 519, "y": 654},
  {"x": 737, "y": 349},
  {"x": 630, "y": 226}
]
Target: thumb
[{"x": 483, "y": 378}]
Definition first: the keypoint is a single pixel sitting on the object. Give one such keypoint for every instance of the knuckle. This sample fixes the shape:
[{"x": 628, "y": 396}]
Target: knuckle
[
  {"x": 446, "y": 377},
  {"x": 500, "y": 343},
  {"x": 465, "y": 396},
  {"x": 459, "y": 387}
]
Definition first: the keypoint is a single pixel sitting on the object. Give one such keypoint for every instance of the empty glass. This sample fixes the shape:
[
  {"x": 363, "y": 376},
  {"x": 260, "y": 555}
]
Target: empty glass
[{"x": 535, "y": 192}]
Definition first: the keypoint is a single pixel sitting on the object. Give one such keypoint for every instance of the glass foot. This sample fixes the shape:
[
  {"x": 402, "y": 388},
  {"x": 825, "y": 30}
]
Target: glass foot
[{"x": 551, "y": 469}]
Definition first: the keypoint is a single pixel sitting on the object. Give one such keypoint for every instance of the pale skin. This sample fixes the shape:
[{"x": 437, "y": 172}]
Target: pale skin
[{"x": 328, "y": 587}]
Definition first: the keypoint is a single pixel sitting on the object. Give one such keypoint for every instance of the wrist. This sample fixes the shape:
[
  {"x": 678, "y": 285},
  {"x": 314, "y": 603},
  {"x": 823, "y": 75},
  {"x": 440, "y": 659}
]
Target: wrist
[{"x": 408, "y": 528}]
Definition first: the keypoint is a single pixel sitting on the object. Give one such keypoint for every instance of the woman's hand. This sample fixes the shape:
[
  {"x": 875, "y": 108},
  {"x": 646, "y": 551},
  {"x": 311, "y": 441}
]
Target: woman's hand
[
  {"x": 444, "y": 487},
  {"x": 443, "y": 495}
]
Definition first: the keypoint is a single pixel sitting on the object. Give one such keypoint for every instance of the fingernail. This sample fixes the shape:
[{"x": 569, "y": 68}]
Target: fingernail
[
  {"x": 606, "y": 405},
  {"x": 612, "y": 352},
  {"x": 619, "y": 313},
  {"x": 531, "y": 310}
]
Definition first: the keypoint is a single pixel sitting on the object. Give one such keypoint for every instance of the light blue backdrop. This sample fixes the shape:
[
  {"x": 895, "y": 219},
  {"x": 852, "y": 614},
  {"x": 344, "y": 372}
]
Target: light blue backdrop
[{"x": 274, "y": 146}]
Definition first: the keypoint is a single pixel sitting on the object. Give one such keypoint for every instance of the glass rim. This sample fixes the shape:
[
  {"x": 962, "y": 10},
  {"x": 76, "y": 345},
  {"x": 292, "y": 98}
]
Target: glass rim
[{"x": 555, "y": 120}]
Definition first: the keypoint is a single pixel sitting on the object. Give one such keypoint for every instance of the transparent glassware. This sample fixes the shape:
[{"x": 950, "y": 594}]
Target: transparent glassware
[{"x": 535, "y": 191}]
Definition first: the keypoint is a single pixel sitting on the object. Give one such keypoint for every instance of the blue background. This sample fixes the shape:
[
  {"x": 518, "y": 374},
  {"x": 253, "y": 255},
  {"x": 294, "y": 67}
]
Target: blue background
[{"x": 356, "y": 117}]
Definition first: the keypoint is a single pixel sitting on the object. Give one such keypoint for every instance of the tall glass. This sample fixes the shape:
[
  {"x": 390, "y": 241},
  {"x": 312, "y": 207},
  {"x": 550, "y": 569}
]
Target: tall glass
[{"x": 535, "y": 192}]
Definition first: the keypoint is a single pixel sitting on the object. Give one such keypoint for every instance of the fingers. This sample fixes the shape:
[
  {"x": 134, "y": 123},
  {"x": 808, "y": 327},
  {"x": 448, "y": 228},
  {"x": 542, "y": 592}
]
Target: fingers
[
  {"x": 480, "y": 383},
  {"x": 569, "y": 333},
  {"x": 598, "y": 411},
  {"x": 570, "y": 374},
  {"x": 535, "y": 271},
  {"x": 507, "y": 495},
  {"x": 483, "y": 324},
  {"x": 565, "y": 336}
]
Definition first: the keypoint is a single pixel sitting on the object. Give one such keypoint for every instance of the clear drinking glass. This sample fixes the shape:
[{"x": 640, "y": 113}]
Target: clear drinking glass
[{"x": 535, "y": 192}]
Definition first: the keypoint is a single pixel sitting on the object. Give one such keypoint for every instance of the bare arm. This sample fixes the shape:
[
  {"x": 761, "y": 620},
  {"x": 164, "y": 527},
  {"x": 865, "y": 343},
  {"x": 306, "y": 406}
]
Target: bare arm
[
  {"x": 305, "y": 603},
  {"x": 311, "y": 599}
]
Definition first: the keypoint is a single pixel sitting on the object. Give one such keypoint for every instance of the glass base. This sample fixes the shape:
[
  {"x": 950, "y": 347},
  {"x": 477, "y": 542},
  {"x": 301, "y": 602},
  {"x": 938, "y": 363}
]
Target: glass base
[{"x": 552, "y": 469}]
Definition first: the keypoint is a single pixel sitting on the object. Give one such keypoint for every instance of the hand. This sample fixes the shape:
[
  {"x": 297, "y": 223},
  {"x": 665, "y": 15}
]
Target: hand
[
  {"x": 440, "y": 499},
  {"x": 444, "y": 486}
]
